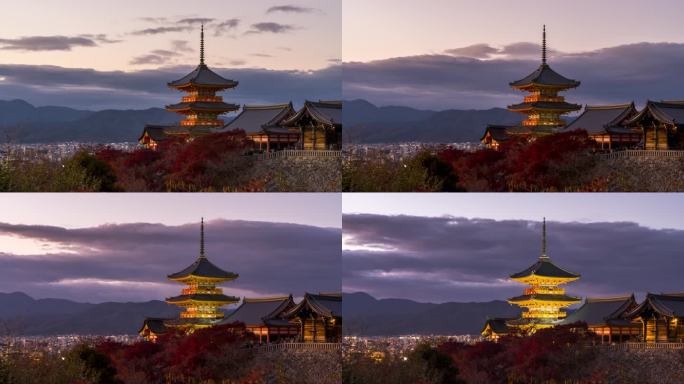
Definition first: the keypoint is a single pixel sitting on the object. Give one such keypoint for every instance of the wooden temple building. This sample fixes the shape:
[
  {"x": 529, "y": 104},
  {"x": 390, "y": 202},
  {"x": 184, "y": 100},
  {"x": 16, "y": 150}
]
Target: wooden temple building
[
  {"x": 605, "y": 125},
  {"x": 661, "y": 124},
  {"x": 543, "y": 108},
  {"x": 264, "y": 318},
  {"x": 316, "y": 126},
  {"x": 319, "y": 318},
  {"x": 660, "y": 318},
  {"x": 607, "y": 318}
]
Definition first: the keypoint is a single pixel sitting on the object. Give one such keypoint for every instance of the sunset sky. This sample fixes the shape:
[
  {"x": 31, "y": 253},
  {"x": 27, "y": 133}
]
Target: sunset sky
[
  {"x": 463, "y": 54},
  {"x": 100, "y": 247},
  {"x": 439, "y": 248},
  {"x": 94, "y": 55}
]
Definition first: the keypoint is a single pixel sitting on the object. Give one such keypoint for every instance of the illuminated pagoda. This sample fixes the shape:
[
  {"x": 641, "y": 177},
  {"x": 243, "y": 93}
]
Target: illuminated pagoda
[
  {"x": 545, "y": 299},
  {"x": 202, "y": 299},
  {"x": 543, "y": 108},
  {"x": 201, "y": 107}
]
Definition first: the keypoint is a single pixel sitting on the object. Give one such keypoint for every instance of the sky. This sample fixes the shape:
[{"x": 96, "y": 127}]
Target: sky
[
  {"x": 441, "y": 248},
  {"x": 99, "y": 247},
  {"x": 93, "y": 52},
  {"x": 462, "y": 54}
]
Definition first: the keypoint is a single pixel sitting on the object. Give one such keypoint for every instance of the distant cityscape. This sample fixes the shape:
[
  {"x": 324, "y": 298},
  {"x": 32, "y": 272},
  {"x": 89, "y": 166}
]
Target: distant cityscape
[
  {"x": 402, "y": 151},
  {"x": 381, "y": 347},
  {"x": 56, "y": 151},
  {"x": 38, "y": 346}
]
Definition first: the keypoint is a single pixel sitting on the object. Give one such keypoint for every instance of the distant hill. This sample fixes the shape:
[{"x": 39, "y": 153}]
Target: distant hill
[
  {"x": 21, "y": 122},
  {"x": 20, "y": 314},
  {"x": 367, "y": 123},
  {"x": 365, "y": 315}
]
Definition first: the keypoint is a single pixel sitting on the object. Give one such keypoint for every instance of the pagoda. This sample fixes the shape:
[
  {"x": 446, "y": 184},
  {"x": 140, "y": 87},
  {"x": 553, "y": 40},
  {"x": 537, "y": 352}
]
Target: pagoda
[
  {"x": 202, "y": 298},
  {"x": 202, "y": 107},
  {"x": 544, "y": 107},
  {"x": 544, "y": 299}
]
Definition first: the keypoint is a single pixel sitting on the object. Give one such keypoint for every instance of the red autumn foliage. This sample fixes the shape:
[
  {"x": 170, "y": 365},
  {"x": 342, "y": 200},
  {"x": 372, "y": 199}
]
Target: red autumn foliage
[
  {"x": 558, "y": 162},
  {"x": 550, "y": 355},
  {"x": 216, "y": 353},
  {"x": 205, "y": 163}
]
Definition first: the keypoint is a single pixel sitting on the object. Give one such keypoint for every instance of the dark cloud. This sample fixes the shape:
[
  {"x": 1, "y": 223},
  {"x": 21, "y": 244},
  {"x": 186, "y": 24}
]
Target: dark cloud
[
  {"x": 266, "y": 55},
  {"x": 457, "y": 259},
  {"x": 161, "y": 30},
  {"x": 102, "y": 38},
  {"x": 226, "y": 26},
  {"x": 157, "y": 57},
  {"x": 612, "y": 75},
  {"x": 195, "y": 20},
  {"x": 91, "y": 89},
  {"x": 270, "y": 27},
  {"x": 290, "y": 9},
  {"x": 46, "y": 43},
  {"x": 131, "y": 261},
  {"x": 181, "y": 46}
]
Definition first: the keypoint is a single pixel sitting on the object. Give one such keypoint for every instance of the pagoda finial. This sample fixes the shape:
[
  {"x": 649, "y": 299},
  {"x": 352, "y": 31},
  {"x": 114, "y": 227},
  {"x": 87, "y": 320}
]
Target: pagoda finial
[
  {"x": 202, "y": 46},
  {"x": 543, "y": 254},
  {"x": 202, "y": 238},
  {"x": 544, "y": 45}
]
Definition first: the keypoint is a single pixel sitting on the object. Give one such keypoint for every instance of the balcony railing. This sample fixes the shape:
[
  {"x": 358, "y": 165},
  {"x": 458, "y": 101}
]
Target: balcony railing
[
  {"x": 299, "y": 153},
  {"x": 641, "y": 153},
  {"x": 644, "y": 346},
  {"x": 299, "y": 347}
]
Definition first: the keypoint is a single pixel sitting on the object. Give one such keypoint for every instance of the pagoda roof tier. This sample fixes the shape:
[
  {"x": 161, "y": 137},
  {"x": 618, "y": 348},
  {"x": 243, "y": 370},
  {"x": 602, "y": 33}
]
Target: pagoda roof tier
[
  {"x": 199, "y": 297},
  {"x": 498, "y": 325},
  {"x": 667, "y": 112},
  {"x": 602, "y": 311},
  {"x": 544, "y": 297},
  {"x": 203, "y": 106},
  {"x": 545, "y": 268},
  {"x": 545, "y": 106},
  {"x": 203, "y": 268},
  {"x": 602, "y": 118},
  {"x": 203, "y": 77},
  {"x": 545, "y": 77},
  {"x": 668, "y": 305}
]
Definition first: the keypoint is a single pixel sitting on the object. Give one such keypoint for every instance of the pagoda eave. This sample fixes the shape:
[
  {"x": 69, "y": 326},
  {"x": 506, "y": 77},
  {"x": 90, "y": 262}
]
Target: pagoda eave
[
  {"x": 190, "y": 86},
  {"x": 534, "y": 279},
  {"x": 534, "y": 86},
  {"x": 190, "y": 278}
]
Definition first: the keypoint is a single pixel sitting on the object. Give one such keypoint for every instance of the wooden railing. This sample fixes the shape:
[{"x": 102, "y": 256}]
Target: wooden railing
[
  {"x": 299, "y": 153},
  {"x": 640, "y": 153},
  {"x": 299, "y": 347},
  {"x": 646, "y": 346}
]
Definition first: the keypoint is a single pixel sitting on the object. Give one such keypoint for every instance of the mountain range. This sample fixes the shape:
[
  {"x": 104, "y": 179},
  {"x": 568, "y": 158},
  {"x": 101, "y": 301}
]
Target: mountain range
[
  {"x": 21, "y": 314},
  {"x": 365, "y": 315},
  {"x": 21, "y": 122},
  {"x": 366, "y": 123}
]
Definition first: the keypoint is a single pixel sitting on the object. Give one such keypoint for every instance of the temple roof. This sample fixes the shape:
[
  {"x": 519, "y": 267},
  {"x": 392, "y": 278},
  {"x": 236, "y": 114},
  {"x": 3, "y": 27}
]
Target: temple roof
[
  {"x": 545, "y": 297},
  {"x": 597, "y": 311},
  {"x": 202, "y": 267},
  {"x": 670, "y": 305},
  {"x": 256, "y": 312},
  {"x": 203, "y": 106},
  {"x": 324, "y": 112},
  {"x": 545, "y": 105},
  {"x": 203, "y": 297},
  {"x": 155, "y": 325},
  {"x": 668, "y": 112},
  {"x": 254, "y": 118},
  {"x": 544, "y": 267},
  {"x": 498, "y": 325},
  {"x": 545, "y": 76},
  {"x": 327, "y": 304},
  {"x": 156, "y": 132},
  {"x": 597, "y": 119}
]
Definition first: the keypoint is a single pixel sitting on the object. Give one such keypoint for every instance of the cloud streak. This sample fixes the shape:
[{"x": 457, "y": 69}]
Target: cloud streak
[
  {"x": 290, "y": 9},
  {"x": 270, "y": 27},
  {"x": 46, "y": 43},
  {"x": 477, "y": 76},
  {"x": 456, "y": 259},
  {"x": 131, "y": 261}
]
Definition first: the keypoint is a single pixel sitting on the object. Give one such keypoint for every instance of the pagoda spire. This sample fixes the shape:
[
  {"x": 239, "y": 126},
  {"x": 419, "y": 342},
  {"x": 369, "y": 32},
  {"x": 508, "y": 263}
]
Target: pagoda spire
[
  {"x": 544, "y": 45},
  {"x": 202, "y": 255},
  {"x": 202, "y": 45},
  {"x": 543, "y": 253}
]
